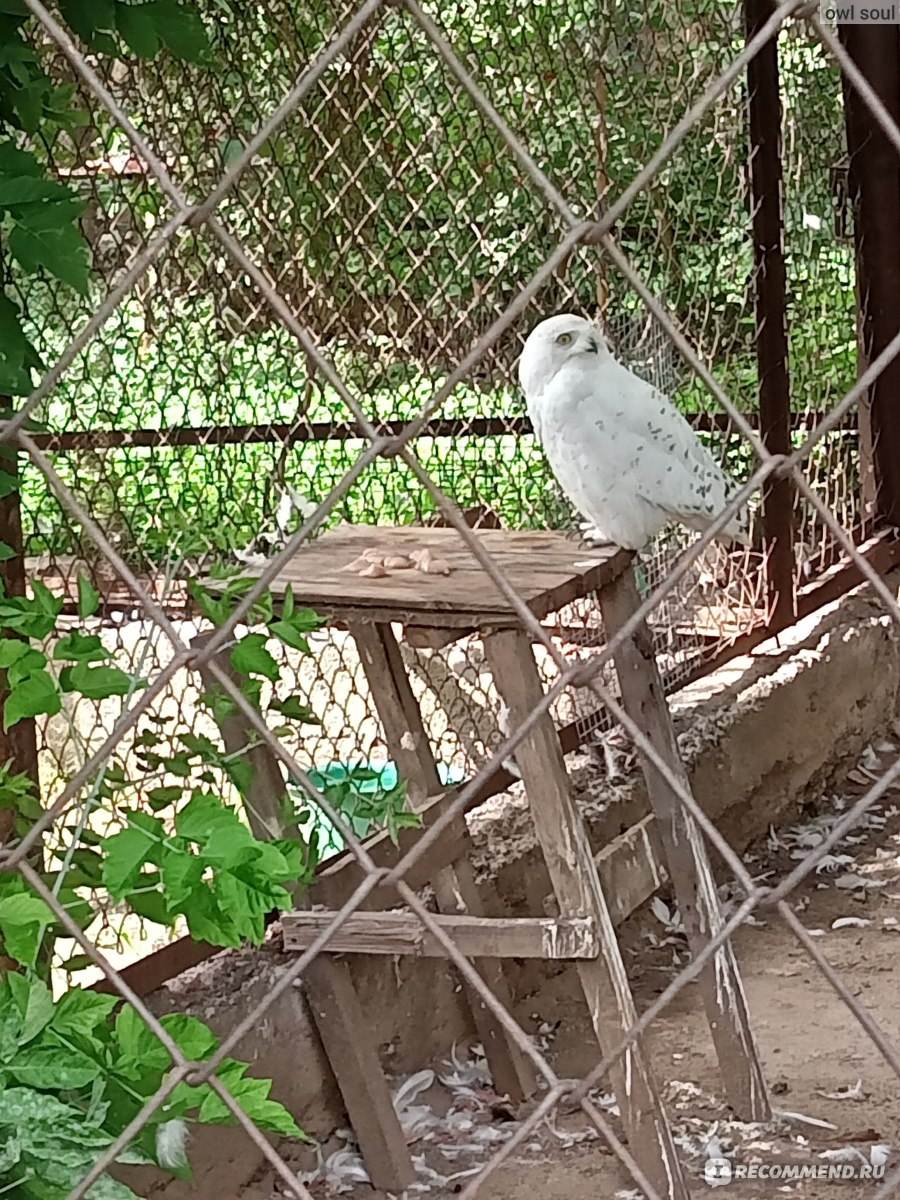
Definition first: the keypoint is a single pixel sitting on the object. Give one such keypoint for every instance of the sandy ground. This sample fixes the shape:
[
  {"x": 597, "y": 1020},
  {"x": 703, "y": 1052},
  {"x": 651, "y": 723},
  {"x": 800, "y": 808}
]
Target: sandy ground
[{"x": 812, "y": 1047}]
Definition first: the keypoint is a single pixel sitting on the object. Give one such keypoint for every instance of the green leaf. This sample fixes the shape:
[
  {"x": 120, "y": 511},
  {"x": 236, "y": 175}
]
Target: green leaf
[
  {"x": 89, "y": 19},
  {"x": 85, "y": 869},
  {"x": 199, "y": 743},
  {"x": 6, "y": 552},
  {"x": 288, "y": 604},
  {"x": 222, "y": 836},
  {"x": 180, "y": 29},
  {"x": 16, "y": 352},
  {"x": 136, "y": 24},
  {"x": 80, "y": 1012},
  {"x": 79, "y": 647},
  {"x": 195, "y": 1040},
  {"x": 151, "y": 903},
  {"x": 251, "y": 657},
  {"x": 60, "y": 251},
  {"x": 25, "y": 909},
  {"x": 128, "y": 851},
  {"x": 11, "y": 1023},
  {"x": 290, "y": 633},
  {"x": 295, "y": 710},
  {"x": 253, "y": 1097},
  {"x": 182, "y": 875},
  {"x": 32, "y": 662},
  {"x": 54, "y": 1068},
  {"x": 32, "y": 697},
  {"x": 88, "y": 597},
  {"x": 78, "y": 962},
  {"x": 12, "y": 650},
  {"x": 46, "y": 601},
  {"x": 25, "y": 189},
  {"x": 163, "y": 797},
  {"x": 14, "y": 161},
  {"x": 34, "y": 1002},
  {"x": 139, "y": 1043},
  {"x": 99, "y": 683}
]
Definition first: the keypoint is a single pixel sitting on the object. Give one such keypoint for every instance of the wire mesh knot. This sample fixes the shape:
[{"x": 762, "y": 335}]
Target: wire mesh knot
[
  {"x": 390, "y": 447},
  {"x": 766, "y": 896},
  {"x": 194, "y": 1074},
  {"x": 10, "y": 857},
  {"x": 806, "y": 12},
  {"x": 780, "y": 466}
]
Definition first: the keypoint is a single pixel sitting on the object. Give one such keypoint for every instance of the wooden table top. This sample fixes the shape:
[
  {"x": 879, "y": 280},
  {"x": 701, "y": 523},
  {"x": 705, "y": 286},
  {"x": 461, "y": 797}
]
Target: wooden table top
[{"x": 547, "y": 570}]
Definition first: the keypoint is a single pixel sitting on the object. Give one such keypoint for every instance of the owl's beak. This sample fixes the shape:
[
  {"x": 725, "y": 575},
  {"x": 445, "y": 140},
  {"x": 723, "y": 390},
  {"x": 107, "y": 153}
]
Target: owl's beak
[{"x": 592, "y": 347}]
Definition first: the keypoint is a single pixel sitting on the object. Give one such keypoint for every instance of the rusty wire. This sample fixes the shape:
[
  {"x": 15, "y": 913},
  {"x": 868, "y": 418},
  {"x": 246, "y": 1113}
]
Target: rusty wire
[{"x": 587, "y": 233}]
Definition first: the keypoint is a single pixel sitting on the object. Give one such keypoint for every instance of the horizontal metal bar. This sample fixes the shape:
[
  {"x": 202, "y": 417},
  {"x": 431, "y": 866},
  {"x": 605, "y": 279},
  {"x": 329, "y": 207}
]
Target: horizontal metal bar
[{"x": 290, "y": 433}]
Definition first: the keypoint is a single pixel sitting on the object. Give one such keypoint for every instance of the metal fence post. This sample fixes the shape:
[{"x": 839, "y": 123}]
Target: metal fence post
[
  {"x": 764, "y": 104},
  {"x": 875, "y": 188}
]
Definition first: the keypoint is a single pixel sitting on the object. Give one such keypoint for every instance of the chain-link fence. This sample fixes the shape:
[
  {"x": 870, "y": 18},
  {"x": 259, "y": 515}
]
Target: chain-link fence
[{"x": 321, "y": 253}]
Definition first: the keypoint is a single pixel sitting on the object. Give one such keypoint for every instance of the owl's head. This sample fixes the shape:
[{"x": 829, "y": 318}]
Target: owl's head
[{"x": 554, "y": 343}]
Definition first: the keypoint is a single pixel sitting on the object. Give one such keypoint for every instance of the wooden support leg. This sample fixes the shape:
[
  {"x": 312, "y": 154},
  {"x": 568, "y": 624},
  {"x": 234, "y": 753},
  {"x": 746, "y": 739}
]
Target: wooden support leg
[
  {"x": 328, "y": 986},
  {"x": 720, "y": 983},
  {"x": 573, "y": 873},
  {"x": 454, "y": 886}
]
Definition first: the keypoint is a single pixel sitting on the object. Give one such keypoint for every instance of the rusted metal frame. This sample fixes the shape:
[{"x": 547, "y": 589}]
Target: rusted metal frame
[
  {"x": 770, "y": 279},
  {"x": 299, "y": 433},
  {"x": 875, "y": 189},
  {"x": 890, "y": 127},
  {"x": 18, "y": 745}
]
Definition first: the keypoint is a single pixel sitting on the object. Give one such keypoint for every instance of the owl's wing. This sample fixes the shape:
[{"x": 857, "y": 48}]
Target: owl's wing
[{"x": 676, "y": 472}]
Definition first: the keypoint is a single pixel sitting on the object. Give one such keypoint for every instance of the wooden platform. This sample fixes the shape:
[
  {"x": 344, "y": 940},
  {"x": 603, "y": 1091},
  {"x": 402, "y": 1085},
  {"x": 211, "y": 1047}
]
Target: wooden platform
[{"x": 547, "y": 570}]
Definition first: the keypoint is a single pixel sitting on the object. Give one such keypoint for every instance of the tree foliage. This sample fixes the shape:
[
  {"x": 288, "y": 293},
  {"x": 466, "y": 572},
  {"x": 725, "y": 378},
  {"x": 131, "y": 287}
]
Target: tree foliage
[{"x": 39, "y": 215}]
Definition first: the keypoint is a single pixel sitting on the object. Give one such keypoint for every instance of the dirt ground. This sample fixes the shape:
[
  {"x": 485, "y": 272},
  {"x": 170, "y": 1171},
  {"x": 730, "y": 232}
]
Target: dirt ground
[{"x": 813, "y": 1048}]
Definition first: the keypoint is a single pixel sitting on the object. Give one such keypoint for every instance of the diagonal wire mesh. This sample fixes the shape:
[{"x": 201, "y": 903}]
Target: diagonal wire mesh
[{"x": 234, "y": 250}]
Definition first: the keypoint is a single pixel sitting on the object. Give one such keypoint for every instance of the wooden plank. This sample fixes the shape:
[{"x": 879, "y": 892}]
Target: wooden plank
[
  {"x": 547, "y": 570},
  {"x": 454, "y": 886},
  {"x": 631, "y": 868},
  {"x": 346, "y": 1037},
  {"x": 327, "y": 984},
  {"x": 476, "y": 937},
  {"x": 695, "y": 890},
  {"x": 424, "y": 638},
  {"x": 563, "y": 838}
]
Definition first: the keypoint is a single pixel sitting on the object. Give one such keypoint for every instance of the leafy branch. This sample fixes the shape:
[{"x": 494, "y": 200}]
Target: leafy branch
[
  {"x": 75, "y": 1072},
  {"x": 39, "y": 215}
]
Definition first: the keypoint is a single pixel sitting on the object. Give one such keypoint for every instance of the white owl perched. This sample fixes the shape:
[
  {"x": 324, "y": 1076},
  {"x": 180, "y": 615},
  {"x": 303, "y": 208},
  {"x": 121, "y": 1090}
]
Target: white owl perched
[{"x": 623, "y": 454}]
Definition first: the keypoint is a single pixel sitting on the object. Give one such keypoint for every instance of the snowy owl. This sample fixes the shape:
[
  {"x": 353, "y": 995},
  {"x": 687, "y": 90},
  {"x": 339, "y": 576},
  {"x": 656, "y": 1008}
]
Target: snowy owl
[{"x": 621, "y": 451}]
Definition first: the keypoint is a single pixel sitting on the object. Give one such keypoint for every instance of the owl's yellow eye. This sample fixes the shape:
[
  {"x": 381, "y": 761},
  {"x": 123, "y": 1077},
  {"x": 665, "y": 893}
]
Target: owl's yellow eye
[{"x": 564, "y": 339}]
